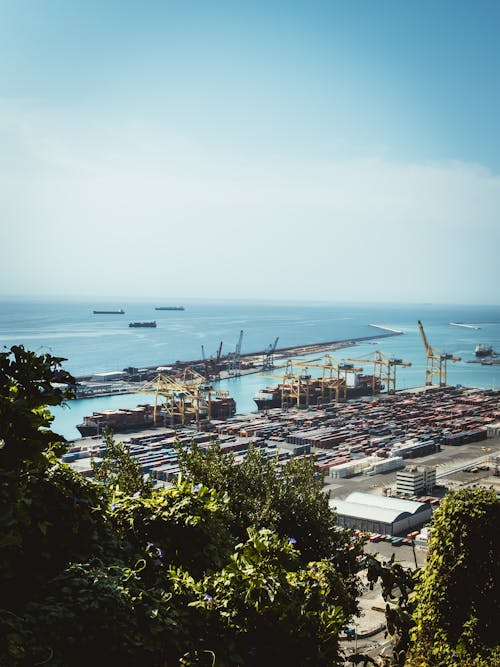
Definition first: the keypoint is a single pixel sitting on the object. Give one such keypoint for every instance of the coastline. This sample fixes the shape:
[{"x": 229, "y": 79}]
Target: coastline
[{"x": 120, "y": 387}]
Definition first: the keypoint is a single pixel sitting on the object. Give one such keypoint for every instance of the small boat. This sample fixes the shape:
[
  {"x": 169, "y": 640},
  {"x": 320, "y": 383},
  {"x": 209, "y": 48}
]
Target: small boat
[
  {"x": 484, "y": 350},
  {"x": 142, "y": 324},
  {"x": 109, "y": 312}
]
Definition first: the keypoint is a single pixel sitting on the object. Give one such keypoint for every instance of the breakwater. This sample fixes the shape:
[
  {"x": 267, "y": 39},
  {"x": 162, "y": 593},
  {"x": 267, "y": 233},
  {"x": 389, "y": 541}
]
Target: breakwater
[{"x": 92, "y": 385}]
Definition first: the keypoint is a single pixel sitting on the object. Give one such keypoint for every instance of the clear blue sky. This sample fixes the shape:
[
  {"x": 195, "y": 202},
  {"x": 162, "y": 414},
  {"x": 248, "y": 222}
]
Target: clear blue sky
[{"x": 311, "y": 150}]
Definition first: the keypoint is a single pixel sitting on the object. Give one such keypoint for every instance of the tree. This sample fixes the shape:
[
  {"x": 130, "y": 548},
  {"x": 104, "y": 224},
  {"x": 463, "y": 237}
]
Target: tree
[
  {"x": 28, "y": 384},
  {"x": 119, "y": 471},
  {"x": 264, "y": 608},
  {"x": 288, "y": 499},
  {"x": 456, "y": 616},
  {"x": 89, "y": 572}
]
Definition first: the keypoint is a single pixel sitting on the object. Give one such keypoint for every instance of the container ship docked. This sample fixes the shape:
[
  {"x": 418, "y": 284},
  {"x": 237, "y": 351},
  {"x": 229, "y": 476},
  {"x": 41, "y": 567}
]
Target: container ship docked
[
  {"x": 129, "y": 419},
  {"x": 313, "y": 393},
  {"x": 143, "y": 416},
  {"x": 143, "y": 324}
]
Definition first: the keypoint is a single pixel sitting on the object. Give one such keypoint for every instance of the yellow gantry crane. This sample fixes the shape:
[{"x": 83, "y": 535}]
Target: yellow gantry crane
[
  {"x": 384, "y": 370},
  {"x": 186, "y": 399},
  {"x": 436, "y": 363},
  {"x": 294, "y": 385},
  {"x": 298, "y": 387},
  {"x": 333, "y": 379}
]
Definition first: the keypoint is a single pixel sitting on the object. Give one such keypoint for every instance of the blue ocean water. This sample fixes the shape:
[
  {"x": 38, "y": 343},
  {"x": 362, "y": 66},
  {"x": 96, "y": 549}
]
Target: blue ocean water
[{"x": 96, "y": 343}]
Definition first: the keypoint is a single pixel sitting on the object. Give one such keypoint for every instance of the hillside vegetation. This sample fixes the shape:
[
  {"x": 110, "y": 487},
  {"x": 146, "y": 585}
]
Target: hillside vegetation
[{"x": 235, "y": 565}]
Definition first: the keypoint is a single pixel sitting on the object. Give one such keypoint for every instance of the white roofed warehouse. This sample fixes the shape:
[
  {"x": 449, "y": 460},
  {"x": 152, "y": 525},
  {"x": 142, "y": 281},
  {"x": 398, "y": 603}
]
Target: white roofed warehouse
[{"x": 380, "y": 514}]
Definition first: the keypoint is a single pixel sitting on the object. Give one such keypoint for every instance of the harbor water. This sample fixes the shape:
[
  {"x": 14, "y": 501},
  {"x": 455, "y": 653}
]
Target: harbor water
[{"x": 98, "y": 343}]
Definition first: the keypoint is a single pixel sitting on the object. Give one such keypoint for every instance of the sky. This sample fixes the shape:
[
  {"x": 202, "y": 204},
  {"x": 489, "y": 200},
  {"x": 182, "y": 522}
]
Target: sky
[{"x": 299, "y": 150}]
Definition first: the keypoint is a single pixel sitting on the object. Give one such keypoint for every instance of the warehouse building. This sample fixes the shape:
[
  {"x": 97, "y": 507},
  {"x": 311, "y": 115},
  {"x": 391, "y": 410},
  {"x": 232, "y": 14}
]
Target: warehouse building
[
  {"x": 380, "y": 514},
  {"x": 370, "y": 465}
]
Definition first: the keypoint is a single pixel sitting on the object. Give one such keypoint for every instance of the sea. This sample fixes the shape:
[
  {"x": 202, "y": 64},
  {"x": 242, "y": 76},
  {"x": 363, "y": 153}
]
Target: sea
[{"x": 93, "y": 343}]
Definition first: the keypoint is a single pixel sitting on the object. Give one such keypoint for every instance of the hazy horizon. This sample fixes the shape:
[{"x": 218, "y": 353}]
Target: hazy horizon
[
  {"x": 318, "y": 151},
  {"x": 161, "y": 299}
]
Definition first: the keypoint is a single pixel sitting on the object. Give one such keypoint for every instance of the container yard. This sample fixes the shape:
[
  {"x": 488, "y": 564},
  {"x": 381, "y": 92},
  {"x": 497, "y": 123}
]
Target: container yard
[{"x": 366, "y": 437}]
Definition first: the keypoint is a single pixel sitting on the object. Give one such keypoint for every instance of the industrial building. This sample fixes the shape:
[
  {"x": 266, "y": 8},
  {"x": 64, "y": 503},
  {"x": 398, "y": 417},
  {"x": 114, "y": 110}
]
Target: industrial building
[
  {"x": 415, "y": 480},
  {"x": 380, "y": 514},
  {"x": 371, "y": 465}
]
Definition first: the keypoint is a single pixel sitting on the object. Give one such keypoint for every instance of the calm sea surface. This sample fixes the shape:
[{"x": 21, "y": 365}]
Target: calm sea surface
[{"x": 96, "y": 343}]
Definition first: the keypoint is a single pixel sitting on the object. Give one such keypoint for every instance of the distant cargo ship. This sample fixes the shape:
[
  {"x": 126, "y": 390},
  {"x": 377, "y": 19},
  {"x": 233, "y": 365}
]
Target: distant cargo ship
[
  {"x": 170, "y": 308},
  {"x": 484, "y": 350},
  {"x": 109, "y": 312},
  {"x": 142, "y": 324}
]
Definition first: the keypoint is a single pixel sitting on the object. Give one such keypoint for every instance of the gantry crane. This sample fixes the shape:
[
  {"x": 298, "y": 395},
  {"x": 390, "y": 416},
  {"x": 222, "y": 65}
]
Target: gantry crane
[
  {"x": 202, "y": 391},
  {"x": 333, "y": 381},
  {"x": 212, "y": 366},
  {"x": 436, "y": 363},
  {"x": 235, "y": 359},
  {"x": 384, "y": 371},
  {"x": 187, "y": 398},
  {"x": 296, "y": 385},
  {"x": 179, "y": 401},
  {"x": 268, "y": 360}
]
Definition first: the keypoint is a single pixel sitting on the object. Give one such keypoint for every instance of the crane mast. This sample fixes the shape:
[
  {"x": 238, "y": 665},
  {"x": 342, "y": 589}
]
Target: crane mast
[
  {"x": 268, "y": 360},
  {"x": 212, "y": 366},
  {"x": 235, "y": 362},
  {"x": 435, "y": 363}
]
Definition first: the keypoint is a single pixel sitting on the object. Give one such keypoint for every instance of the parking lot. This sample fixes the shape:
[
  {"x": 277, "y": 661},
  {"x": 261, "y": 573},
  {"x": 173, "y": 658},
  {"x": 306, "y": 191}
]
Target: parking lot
[{"x": 447, "y": 460}]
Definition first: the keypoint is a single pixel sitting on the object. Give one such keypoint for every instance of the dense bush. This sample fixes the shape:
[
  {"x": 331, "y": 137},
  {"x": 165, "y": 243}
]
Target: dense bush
[
  {"x": 457, "y": 616},
  {"x": 116, "y": 573},
  {"x": 235, "y": 565}
]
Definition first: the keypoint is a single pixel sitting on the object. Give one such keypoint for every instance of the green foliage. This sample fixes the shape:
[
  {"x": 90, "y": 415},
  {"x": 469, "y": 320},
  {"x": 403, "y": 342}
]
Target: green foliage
[
  {"x": 26, "y": 389},
  {"x": 118, "y": 470},
  {"x": 58, "y": 519},
  {"x": 117, "y": 573},
  {"x": 263, "y": 608},
  {"x": 456, "y": 616},
  {"x": 397, "y": 584},
  {"x": 97, "y": 614},
  {"x": 39, "y": 499},
  {"x": 183, "y": 526},
  {"x": 288, "y": 499}
]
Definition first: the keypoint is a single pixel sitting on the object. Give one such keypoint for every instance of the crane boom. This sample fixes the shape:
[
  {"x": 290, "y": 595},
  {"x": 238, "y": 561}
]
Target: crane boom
[
  {"x": 436, "y": 363},
  {"x": 268, "y": 356},
  {"x": 428, "y": 349}
]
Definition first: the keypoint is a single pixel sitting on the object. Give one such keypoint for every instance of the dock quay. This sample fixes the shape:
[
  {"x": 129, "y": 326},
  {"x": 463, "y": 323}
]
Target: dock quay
[
  {"x": 407, "y": 425},
  {"x": 126, "y": 381}
]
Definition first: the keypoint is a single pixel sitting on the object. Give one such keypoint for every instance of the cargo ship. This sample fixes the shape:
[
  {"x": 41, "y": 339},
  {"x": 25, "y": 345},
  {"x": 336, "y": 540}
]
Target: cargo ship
[
  {"x": 313, "y": 393},
  {"x": 484, "y": 350},
  {"x": 170, "y": 308},
  {"x": 109, "y": 312},
  {"x": 130, "y": 419},
  {"x": 142, "y": 417},
  {"x": 142, "y": 324}
]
